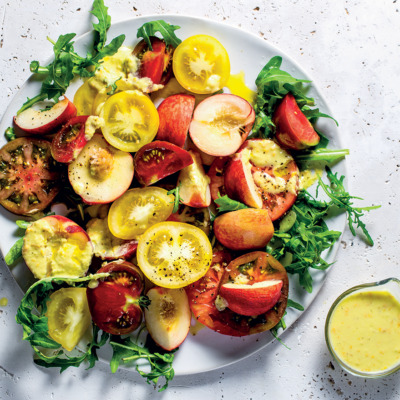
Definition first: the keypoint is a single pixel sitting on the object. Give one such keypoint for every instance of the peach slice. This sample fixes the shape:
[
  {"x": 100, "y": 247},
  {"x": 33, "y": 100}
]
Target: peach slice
[
  {"x": 175, "y": 114},
  {"x": 168, "y": 316},
  {"x": 101, "y": 173},
  {"x": 57, "y": 246},
  {"x": 44, "y": 122},
  {"x": 105, "y": 244},
  {"x": 245, "y": 229},
  {"x": 194, "y": 184},
  {"x": 263, "y": 175},
  {"x": 221, "y": 123},
  {"x": 253, "y": 299}
]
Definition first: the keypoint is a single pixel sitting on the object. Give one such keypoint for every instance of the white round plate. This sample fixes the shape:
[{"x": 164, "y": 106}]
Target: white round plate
[{"x": 206, "y": 350}]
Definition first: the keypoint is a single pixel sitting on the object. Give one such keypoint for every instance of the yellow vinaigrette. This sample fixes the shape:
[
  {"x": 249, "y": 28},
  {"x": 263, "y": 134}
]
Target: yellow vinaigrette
[{"x": 364, "y": 330}]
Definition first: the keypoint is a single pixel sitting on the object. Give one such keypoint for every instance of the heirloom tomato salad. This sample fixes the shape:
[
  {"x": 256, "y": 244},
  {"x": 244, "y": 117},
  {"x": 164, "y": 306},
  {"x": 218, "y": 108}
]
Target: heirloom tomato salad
[{"x": 164, "y": 192}]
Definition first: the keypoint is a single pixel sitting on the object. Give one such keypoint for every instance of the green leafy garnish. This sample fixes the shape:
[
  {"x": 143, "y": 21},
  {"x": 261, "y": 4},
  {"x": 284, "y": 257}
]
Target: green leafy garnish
[
  {"x": 67, "y": 63},
  {"x": 225, "y": 204},
  {"x": 15, "y": 253},
  {"x": 31, "y": 315},
  {"x": 10, "y": 134},
  {"x": 125, "y": 351},
  {"x": 343, "y": 200},
  {"x": 318, "y": 155},
  {"x": 309, "y": 235},
  {"x": 177, "y": 200},
  {"x": 166, "y": 30},
  {"x": 272, "y": 85}
]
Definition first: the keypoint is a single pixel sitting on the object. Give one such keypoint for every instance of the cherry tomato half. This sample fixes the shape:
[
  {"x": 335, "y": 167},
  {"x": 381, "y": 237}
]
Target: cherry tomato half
[
  {"x": 158, "y": 159},
  {"x": 156, "y": 63},
  {"x": 29, "y": 179},
  {"x": 70, "y": 140},
  {"x": 68, "y": 316},
  {"x": 256, "y": 266},
  {"x": 201, "y": 64},
  {"x": 115, "y": 303}
]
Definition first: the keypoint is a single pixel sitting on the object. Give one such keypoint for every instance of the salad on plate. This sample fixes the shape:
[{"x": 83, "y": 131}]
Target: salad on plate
[{"x": 165, "y": 196}]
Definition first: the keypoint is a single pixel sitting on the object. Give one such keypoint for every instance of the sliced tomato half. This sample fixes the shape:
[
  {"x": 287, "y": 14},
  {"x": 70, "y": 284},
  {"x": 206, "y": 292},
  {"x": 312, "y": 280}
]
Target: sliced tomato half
[
  {"x": 70, "y": 140},
  {"x": 158, "y": 159},
  {"x": 156, "y": 63},
  {"x": 29, "y": 178},
  {"x": 255, "y": 267}
]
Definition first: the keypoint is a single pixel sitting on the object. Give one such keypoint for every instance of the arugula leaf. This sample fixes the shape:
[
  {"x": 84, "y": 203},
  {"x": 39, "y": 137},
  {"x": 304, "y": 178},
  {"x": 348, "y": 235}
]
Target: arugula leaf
[
  {"x": 31, "y": 315},
  {"x": 329, "y": 156},
  {"x": 67, "y": 63},
  {"x": 9, "y": 134},
  {"x": 272, "y": 85},
  {"x": 167, "y": 32},
  {"x": 343, "y": 200},
  {"x": 125, "y": 351},
  {"x": 15, "y": 253},
  {"x": 100, "y": 11},
  {"x": 178, "y": 199},
  {"x": 224, "y": 204}
]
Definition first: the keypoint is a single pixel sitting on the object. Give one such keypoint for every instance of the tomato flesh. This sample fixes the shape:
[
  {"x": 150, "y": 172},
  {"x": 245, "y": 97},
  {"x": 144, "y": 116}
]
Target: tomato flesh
[
  {"x": 174, "y": 254},
  {"x": 68, "y": 142},
  {"x": 137, "y": 210},
  {"x": 115, "y": 304},
  {"x": 201, "y": 64},
  {"x": 68, "y": 316},
  {"x": 159, "y": 159},
  {"x": 257, "y": 266},
  {"x": 155, "y": 63},
  {"x": 28, "y": 176}
]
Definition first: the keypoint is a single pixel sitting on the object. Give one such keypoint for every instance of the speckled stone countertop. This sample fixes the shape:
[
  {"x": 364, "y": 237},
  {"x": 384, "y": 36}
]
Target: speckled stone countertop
[{"x": 351, "y": 49}]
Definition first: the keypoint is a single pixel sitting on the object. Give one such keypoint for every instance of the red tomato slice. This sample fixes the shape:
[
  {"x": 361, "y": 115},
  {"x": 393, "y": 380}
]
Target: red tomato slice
[
  {"x": 158, "y": 159},
  {"x": 70, "y": 140},
  {"x": 155, "y": 64},
  {"x": 29, "y": 179},
  {"x": 115, "y": 303},
  {"x": 257, "y": 266},
  {"x": 293, "y": 129}
]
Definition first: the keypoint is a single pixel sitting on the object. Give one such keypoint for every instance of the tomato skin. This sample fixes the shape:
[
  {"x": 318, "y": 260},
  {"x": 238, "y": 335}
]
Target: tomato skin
[
  {"x": 115, "y": 303},
  {"x": 203, "y": 293},
  {"x": 155, "y": 64},
  {"x": 158, "y": 159},
  {"x": 293, "y": 129},
  {"x": 70, "y": 140},
  {"x": 201, "y": 64},
  {"x": 29, "y": 177}
]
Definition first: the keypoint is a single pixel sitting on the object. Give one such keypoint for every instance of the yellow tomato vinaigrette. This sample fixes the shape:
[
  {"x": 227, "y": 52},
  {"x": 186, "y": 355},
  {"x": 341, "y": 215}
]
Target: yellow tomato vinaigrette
[
  {"x": 236, "y": 85},
  {"x": 364, "y": 331}
]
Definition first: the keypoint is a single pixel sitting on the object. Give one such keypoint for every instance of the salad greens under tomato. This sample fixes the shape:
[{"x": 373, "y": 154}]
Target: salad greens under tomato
[{"x": 216, "y": 236}]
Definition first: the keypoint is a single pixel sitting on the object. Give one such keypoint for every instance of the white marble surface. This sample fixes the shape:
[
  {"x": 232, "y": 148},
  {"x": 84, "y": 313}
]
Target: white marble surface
[{"x": 351, "y": 49}]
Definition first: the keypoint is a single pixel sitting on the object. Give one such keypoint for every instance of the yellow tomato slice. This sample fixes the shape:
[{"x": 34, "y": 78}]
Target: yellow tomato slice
[
  {"x": 138, "y": 209},
  {"x": 131, "y": 120},
  {"x": 84, "y": 98},
  {"x": 174, "y": 254},
  {"x": 68, "y": 316},
  {"x": 201, "y": 64}
]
